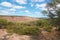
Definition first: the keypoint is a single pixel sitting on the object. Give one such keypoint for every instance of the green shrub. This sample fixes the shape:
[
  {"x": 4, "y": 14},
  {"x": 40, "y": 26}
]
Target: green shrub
[
  {"x": 30, "y": 28},
  {"x": 24, "y": 30},
  {"x": 3, "y": 23},
  {"x": 48, "y": 28},
  {"x": 27, "y": 30},
  {"x": 32, "y": 31},
  {"x": 33, "y": 23}
]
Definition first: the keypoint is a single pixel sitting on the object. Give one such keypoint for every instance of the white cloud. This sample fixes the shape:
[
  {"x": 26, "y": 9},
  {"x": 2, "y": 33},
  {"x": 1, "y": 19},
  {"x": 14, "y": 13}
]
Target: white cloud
[
  {"x": 37, "y": 13},
  {"x": 38, "y": 6},
  {"x": 44, "y": 9},
  {"x": 41, "y": 6},
  {"x": 18, "y": 7},
  {"x": 27, "y": 11},
  {"x": 4, "y": 12},
  {"x": 37, "y": 0},
  {"x": 58, "y": 5},
  {"x": 7, "y": 4},
  {"x": 7, "y": 11},
  {"x": 21, "y": 1},
  {"x": 12, "y": 9},
  {"x": 31, "y": 4}
]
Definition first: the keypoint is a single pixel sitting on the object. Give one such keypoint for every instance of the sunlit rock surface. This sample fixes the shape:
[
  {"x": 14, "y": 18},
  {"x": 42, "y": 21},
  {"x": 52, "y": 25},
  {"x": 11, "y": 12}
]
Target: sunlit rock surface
[{"x": 43, "y": 36}]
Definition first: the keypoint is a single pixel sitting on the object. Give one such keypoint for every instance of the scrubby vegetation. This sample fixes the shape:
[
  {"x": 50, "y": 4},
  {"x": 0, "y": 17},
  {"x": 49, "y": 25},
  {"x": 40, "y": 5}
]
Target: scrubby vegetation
[
  {"x": 29, "y": 28},
  {"x": 32, "y": 28}
]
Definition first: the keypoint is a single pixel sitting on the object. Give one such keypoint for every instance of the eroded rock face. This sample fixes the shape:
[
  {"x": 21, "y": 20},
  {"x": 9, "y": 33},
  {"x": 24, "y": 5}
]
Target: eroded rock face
[
  {"x": 18, "y": 18},
  {"x": 43, "y": 36},
  {"x": 19, "y": 37},
  {"x": 5, "y": 36},
  {"x": 3, "y": 32}
]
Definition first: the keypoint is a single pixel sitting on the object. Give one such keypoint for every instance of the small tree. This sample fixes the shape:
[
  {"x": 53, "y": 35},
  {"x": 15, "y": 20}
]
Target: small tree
[{"x": 53, "y": 12}]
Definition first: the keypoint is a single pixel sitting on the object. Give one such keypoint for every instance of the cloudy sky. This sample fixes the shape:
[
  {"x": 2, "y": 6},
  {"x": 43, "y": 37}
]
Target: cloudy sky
[{"x": 31, "y": 8}]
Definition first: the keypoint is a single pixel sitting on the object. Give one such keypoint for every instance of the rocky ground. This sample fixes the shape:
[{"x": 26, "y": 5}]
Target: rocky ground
[{"x": 43, "y": 36}]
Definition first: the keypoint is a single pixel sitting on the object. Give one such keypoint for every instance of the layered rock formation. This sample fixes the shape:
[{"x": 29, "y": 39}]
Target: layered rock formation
[{"x": 18, "y": 18}]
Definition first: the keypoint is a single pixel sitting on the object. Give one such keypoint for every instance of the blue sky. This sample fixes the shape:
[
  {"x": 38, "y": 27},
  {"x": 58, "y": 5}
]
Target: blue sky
[{"x": 30, "y": 8}]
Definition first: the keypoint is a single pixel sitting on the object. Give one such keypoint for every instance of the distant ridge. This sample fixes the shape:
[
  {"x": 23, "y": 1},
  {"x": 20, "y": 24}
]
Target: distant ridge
[{"x": 18, "y": 18}]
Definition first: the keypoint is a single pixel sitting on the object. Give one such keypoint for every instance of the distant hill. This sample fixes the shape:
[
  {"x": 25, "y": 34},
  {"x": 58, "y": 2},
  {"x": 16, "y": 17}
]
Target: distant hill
[{"x": 18, "y": 18}]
